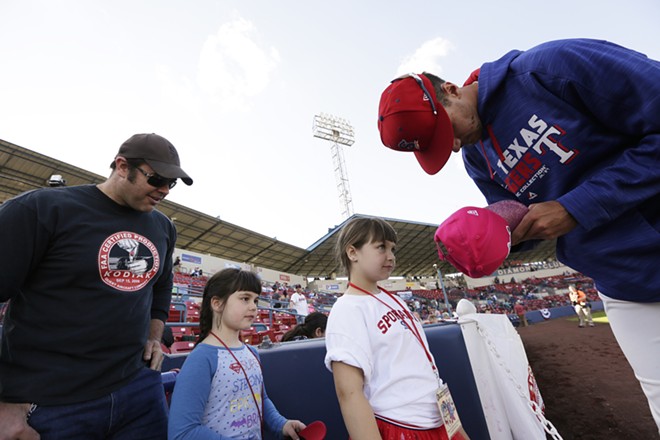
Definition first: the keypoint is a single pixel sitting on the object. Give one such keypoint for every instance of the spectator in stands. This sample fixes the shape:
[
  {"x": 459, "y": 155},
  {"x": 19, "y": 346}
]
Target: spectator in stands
[
  {"x": 78, "y": 333},
  {"x": 571, "y": 129},
  {"x": 197, "y": 272},
  {"x": 298, "y": 301},
  {"x": 276, "y": 299},
  {"x": 519, "y": 309},
  {"x": 176, "y": 266},
  {"x": 221, "y": 370},
  {"x": 313, "y": 327},
  {"x": 581, "y": 305},
  {"x": 370, "y": 354}
]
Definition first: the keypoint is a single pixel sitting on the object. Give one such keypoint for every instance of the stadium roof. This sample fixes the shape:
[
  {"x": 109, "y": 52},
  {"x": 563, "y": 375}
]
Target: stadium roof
[{"x": 23, "y": 170}]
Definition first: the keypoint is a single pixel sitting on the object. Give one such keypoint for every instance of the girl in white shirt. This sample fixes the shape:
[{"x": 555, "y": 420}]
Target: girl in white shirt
[{"x": 384, "y": 372}]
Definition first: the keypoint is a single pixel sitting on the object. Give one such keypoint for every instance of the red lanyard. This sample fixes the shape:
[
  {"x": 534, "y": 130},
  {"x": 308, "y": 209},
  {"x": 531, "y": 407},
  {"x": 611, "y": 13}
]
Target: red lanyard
[
  {"x": 413, "y": 327},
  {"x": 261, "y": 420}
]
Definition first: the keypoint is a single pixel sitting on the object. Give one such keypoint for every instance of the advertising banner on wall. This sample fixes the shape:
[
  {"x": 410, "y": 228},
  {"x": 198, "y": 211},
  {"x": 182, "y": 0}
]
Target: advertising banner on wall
[{"x": 191, "y": 258}]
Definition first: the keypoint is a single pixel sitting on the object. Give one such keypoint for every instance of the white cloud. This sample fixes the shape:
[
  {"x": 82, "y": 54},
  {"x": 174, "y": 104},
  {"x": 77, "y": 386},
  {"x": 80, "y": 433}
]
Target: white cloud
[
  {"x": 234, "y": 65},
  {"x": 427, "y": 57},
  {"x": 177, "y": 93}
]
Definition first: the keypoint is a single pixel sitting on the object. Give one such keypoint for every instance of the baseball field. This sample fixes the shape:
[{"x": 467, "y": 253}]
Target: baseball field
[{"x": 589, "y": 390}]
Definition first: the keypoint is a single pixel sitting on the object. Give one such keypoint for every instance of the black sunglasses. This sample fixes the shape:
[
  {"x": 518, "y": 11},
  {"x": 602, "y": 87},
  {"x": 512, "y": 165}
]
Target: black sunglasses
[{"x": 157, "y": 181}]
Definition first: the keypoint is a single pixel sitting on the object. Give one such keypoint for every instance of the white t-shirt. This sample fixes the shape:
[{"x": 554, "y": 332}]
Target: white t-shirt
[
  {"x": 399, "y": 382},
  {"x": 300, "y": 303}
]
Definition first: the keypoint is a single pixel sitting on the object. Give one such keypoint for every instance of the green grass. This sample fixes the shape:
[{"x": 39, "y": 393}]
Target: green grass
[{"x": 599, "y": 317}]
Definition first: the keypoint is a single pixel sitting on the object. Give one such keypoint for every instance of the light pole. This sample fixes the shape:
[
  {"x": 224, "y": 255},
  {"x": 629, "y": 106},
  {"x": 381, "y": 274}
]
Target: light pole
[
  {"x": 340, "y": 132},
  {"x": 442, "y": 285}
]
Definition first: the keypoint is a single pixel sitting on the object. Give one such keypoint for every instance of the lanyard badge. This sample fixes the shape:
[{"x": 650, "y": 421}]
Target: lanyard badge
[{"x": 448, "y": 410}]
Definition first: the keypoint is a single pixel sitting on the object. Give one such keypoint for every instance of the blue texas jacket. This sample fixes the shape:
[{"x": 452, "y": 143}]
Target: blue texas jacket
[{"x": 578, "y": 121}]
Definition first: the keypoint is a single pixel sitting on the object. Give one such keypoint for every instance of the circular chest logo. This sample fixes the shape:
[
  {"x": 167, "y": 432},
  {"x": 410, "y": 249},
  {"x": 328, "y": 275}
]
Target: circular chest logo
[{"x": 128, "y": 261}]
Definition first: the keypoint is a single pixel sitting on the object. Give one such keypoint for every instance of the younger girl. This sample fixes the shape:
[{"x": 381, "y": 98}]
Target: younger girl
[
  {"x": 384, "y": 372},
  {"x": 219, "y": 393},
  {"x": 313, "y": 327}
]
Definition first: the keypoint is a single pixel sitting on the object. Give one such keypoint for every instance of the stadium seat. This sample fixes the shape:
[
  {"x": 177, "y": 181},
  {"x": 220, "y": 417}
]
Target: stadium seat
[
  {"x": 182, "y": 347},
  {"x": 250, "y": 337},
  {"x": 180, "y": 332},
  {"x": 269, "y": 333},
  {"x": 193, "y": 315},
  {"x": 169, "y": 380},
  {"x": 259, "y": 327}
]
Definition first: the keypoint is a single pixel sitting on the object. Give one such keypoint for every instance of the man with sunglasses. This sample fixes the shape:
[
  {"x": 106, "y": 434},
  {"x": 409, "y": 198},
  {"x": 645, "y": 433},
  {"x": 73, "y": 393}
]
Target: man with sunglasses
[
  {"x": 88, "y": 273},
  {"x": 571, "y": 129}
]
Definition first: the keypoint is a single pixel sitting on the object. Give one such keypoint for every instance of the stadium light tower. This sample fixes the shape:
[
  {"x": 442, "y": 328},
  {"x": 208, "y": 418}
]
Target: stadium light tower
[{"x": 340, "y": 132}]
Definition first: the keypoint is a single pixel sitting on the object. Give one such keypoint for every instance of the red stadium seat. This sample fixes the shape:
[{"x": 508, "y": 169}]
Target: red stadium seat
[
  {"x": 175, "y": 315},
  {"x": 193, "y": 315},
  {"x": 180, "y": 332},
  {"x": 269, "y": 333},
  {"x": 182, "y": 347}
]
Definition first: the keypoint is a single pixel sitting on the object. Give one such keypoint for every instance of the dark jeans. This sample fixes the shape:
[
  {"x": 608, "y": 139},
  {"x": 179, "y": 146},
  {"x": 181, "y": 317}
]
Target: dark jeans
[{"x": 136, "y": 411}]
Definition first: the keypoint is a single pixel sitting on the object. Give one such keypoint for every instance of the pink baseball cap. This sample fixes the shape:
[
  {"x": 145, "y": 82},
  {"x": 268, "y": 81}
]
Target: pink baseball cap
[
  {"x": 410, "y": 118},
  {"x": 475, "y": 241}
]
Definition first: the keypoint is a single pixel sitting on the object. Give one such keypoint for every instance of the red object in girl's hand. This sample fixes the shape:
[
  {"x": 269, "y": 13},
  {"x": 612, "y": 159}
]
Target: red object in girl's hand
[{"x": 314, "y": 431}]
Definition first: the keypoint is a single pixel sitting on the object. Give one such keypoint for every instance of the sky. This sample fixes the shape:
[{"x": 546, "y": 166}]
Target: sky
[{"x": 235, "y": 85}]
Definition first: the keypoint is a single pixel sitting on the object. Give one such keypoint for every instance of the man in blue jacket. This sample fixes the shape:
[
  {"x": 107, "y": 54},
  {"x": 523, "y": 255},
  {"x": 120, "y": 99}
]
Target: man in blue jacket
[{"x": 570, "y": 128}]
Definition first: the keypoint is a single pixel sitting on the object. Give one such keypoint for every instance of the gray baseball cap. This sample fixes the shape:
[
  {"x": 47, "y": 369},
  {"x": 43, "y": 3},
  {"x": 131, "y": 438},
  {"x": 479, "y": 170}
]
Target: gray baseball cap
[{"x": 156, "y": 151}]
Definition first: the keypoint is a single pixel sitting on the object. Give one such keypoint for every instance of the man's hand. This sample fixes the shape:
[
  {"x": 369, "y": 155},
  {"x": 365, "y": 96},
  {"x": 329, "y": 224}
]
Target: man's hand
[
  {"x": 545, "y": 221},
  {"x": 153, "y": 353},
  {"x": 13, "y": 422}
]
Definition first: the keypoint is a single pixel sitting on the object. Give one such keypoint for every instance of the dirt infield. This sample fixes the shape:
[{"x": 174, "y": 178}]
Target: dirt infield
[{"x": 589, "y": 390}]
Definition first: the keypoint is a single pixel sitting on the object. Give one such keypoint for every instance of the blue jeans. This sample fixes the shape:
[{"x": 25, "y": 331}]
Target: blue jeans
[{"x": 136, "y": 411}]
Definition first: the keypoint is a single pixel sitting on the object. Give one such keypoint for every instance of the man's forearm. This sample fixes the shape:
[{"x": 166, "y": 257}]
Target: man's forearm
[{"x": 156, "y": 327}]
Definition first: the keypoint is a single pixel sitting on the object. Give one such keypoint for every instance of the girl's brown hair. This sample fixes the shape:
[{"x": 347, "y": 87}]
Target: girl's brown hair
[
  {"x": 307, "y": 330},
  {"x": 359, "y": 232},
  {"x": 222, "y": 285}
]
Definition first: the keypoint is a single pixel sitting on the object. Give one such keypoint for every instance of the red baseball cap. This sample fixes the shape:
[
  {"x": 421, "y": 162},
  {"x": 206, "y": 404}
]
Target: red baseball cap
[
  {"x": 475, "y": 241},
  {"x": 410, "y": 118}
]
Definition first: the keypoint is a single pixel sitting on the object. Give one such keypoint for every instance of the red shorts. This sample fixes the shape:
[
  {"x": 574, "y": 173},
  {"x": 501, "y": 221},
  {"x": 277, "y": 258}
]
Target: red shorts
[{"x": 389, "y": 431}]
